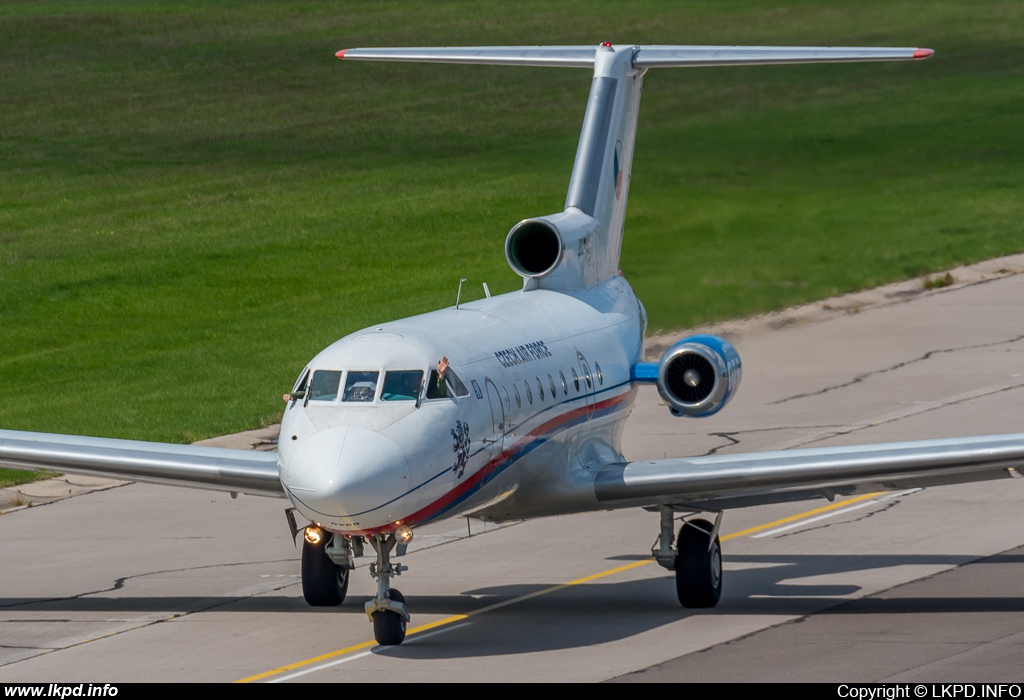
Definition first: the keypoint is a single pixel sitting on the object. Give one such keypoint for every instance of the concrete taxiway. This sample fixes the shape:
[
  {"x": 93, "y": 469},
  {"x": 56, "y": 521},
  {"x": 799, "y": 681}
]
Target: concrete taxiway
[{"x": 147, "y": 583}]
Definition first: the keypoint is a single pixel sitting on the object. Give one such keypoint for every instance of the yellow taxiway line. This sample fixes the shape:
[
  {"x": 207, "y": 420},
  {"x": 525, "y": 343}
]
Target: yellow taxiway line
[{"x": 546, "y": 591}]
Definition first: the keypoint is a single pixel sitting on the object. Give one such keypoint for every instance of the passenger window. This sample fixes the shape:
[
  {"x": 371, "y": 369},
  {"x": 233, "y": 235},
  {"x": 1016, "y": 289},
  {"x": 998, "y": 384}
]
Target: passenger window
[
  {"x": 437, "y": 389},
  {"x": 504, "y": 395},
  {"x": 325, "y": 385},
  {"x": 551, "y": 383},
  {"x": 402, "y": 386},
  {"x": 529, "y": 394},
  {"x": 575, "y": 379},
  {"x": 519, "y": 401},
  {"x": 540, "y": 390},
  {"x": 600, "y": 376},
  {"x": 565, "y": 386},
  {"x": 360, "y": 387}
]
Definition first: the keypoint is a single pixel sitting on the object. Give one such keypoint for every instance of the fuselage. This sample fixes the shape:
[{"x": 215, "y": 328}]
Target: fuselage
[{"x": 536, "y": 378}]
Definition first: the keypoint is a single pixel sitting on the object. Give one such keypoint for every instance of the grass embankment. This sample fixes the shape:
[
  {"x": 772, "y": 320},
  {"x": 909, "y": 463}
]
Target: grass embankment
[
  {"x": 12, "y": 477},
  {"x": 195, "y": 198}
]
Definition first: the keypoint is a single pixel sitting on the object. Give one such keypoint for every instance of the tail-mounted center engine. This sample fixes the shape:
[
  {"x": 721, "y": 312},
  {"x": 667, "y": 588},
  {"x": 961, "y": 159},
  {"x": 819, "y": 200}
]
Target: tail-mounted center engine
[
  {"x": 696, "y": 377},
  {"x": 559, "y": 251},
  {"x": 533, "y": 248}
]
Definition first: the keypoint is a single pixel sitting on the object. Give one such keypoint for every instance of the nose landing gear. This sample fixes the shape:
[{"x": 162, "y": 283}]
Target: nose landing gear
[
  {"x": 389, "y": 625},
  {"x": 387, "y": 609}
]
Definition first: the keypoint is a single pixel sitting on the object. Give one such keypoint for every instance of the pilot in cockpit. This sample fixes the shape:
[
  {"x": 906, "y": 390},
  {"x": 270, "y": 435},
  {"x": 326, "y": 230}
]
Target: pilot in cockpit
[
  {"x": 444, "y": 383},
  {"x": 438, "y": 388}
]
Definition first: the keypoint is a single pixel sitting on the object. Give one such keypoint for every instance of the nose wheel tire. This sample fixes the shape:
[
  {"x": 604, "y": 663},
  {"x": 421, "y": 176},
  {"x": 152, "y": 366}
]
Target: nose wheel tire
[
  {"x": 389, "y": 626},
  {"x": 698, "y": 566},
  {"x": 323, "y": 581}
]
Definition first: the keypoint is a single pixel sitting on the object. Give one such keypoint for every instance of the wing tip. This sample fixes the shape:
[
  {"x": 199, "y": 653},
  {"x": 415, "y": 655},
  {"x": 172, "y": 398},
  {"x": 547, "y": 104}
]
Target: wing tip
[
  {"x": 921, "y": 54},
  {"x": 341, "y": 54}
]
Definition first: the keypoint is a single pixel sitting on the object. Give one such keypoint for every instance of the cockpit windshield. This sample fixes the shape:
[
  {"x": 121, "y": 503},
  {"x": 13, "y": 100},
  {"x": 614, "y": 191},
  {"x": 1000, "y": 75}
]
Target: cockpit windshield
[
  {"x": 325, "y": 385},
  {"x": 403, "y": 385},
  {"x": 360, "y": 386}
]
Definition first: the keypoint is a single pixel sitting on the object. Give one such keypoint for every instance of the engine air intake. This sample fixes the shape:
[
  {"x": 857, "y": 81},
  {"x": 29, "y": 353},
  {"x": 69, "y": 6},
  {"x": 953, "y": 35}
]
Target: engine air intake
[
  {"x": 533, "y": 248},
  {"x": 698, "y": 375},
  {"x": 691, "y": 378}
]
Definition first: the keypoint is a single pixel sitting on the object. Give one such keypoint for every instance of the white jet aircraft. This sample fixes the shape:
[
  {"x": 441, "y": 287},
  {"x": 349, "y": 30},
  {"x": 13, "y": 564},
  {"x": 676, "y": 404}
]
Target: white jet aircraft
[{"x": 526, "y": 419}]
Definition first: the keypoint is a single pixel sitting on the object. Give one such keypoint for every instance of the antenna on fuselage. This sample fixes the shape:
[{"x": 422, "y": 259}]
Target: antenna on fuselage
[{"x": 458, "y": 296}]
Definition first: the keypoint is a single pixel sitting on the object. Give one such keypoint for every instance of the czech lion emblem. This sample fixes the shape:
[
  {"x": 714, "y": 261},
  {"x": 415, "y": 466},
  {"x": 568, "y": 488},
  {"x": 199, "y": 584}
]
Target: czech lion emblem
[{"x": 460, "y": 434}]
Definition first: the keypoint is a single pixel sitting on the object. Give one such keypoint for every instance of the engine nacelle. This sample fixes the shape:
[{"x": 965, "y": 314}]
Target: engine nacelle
[
  {"x": 555, "y": 251},
  {"x": 533, "y": 248},
  {"x": 699, "y": 375}
]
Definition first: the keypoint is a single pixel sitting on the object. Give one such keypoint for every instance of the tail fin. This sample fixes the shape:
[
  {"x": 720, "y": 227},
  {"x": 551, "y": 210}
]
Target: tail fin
[{"x": 580, "y": 246}]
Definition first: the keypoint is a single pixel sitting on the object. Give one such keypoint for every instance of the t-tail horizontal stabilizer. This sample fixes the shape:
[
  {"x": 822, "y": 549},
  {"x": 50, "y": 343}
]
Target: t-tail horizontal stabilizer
[{"x": 580, "y": 246}]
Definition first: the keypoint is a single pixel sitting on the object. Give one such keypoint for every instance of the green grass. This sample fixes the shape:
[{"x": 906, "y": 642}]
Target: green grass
[
  {"x": 195, "y": 198},
  {"x": 13, "y": 477}
]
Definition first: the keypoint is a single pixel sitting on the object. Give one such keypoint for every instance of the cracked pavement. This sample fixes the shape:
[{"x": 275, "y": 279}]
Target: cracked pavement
[
  {"x": 823, "y": 375},
  {"x": 145, "y": 582}
]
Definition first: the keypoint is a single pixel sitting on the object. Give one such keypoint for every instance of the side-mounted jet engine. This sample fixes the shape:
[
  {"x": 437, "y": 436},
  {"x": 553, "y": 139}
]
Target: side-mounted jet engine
[{"x": 696, "y": 377}]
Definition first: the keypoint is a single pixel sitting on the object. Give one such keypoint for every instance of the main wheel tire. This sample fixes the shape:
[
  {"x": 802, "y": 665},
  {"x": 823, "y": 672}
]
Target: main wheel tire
[
  {"x": 698, "y": 566},
  {"x": 389, "y": 626},
  {"x": 323, "y": 581}
]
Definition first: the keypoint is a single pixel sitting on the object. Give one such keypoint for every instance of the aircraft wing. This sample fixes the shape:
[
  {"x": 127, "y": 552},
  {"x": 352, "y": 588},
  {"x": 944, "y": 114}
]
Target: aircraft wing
[
  {"x": 215, "y": 468},
  {"x": 718, "y": 482}
]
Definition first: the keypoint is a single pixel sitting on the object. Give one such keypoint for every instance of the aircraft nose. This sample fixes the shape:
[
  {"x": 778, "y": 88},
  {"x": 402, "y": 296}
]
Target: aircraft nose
[{"x": 347, "y": 472}]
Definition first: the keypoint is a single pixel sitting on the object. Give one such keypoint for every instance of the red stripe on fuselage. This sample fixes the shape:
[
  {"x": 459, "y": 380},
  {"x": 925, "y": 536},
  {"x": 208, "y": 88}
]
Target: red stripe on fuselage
[{"x": 485, "y": 471}]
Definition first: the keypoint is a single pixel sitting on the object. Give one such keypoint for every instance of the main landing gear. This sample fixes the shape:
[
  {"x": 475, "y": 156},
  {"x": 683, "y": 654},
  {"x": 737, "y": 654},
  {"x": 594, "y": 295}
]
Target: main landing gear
[
  {"x": 326, "y": 562},
  {"x": 696, "y": 558}
]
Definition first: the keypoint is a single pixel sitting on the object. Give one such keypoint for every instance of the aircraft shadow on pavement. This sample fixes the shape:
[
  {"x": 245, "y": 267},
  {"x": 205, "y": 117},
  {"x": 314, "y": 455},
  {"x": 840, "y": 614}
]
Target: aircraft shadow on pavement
[
  {"x": 600, "y": 611},
  {"x": 596, "y": 613}
]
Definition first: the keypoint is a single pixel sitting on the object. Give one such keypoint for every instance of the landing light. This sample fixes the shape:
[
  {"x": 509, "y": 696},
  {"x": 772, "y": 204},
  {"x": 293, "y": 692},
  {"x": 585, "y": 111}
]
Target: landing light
[
  {"x": 403, "y": 535},
  {"x": 314, "y": 534}
]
